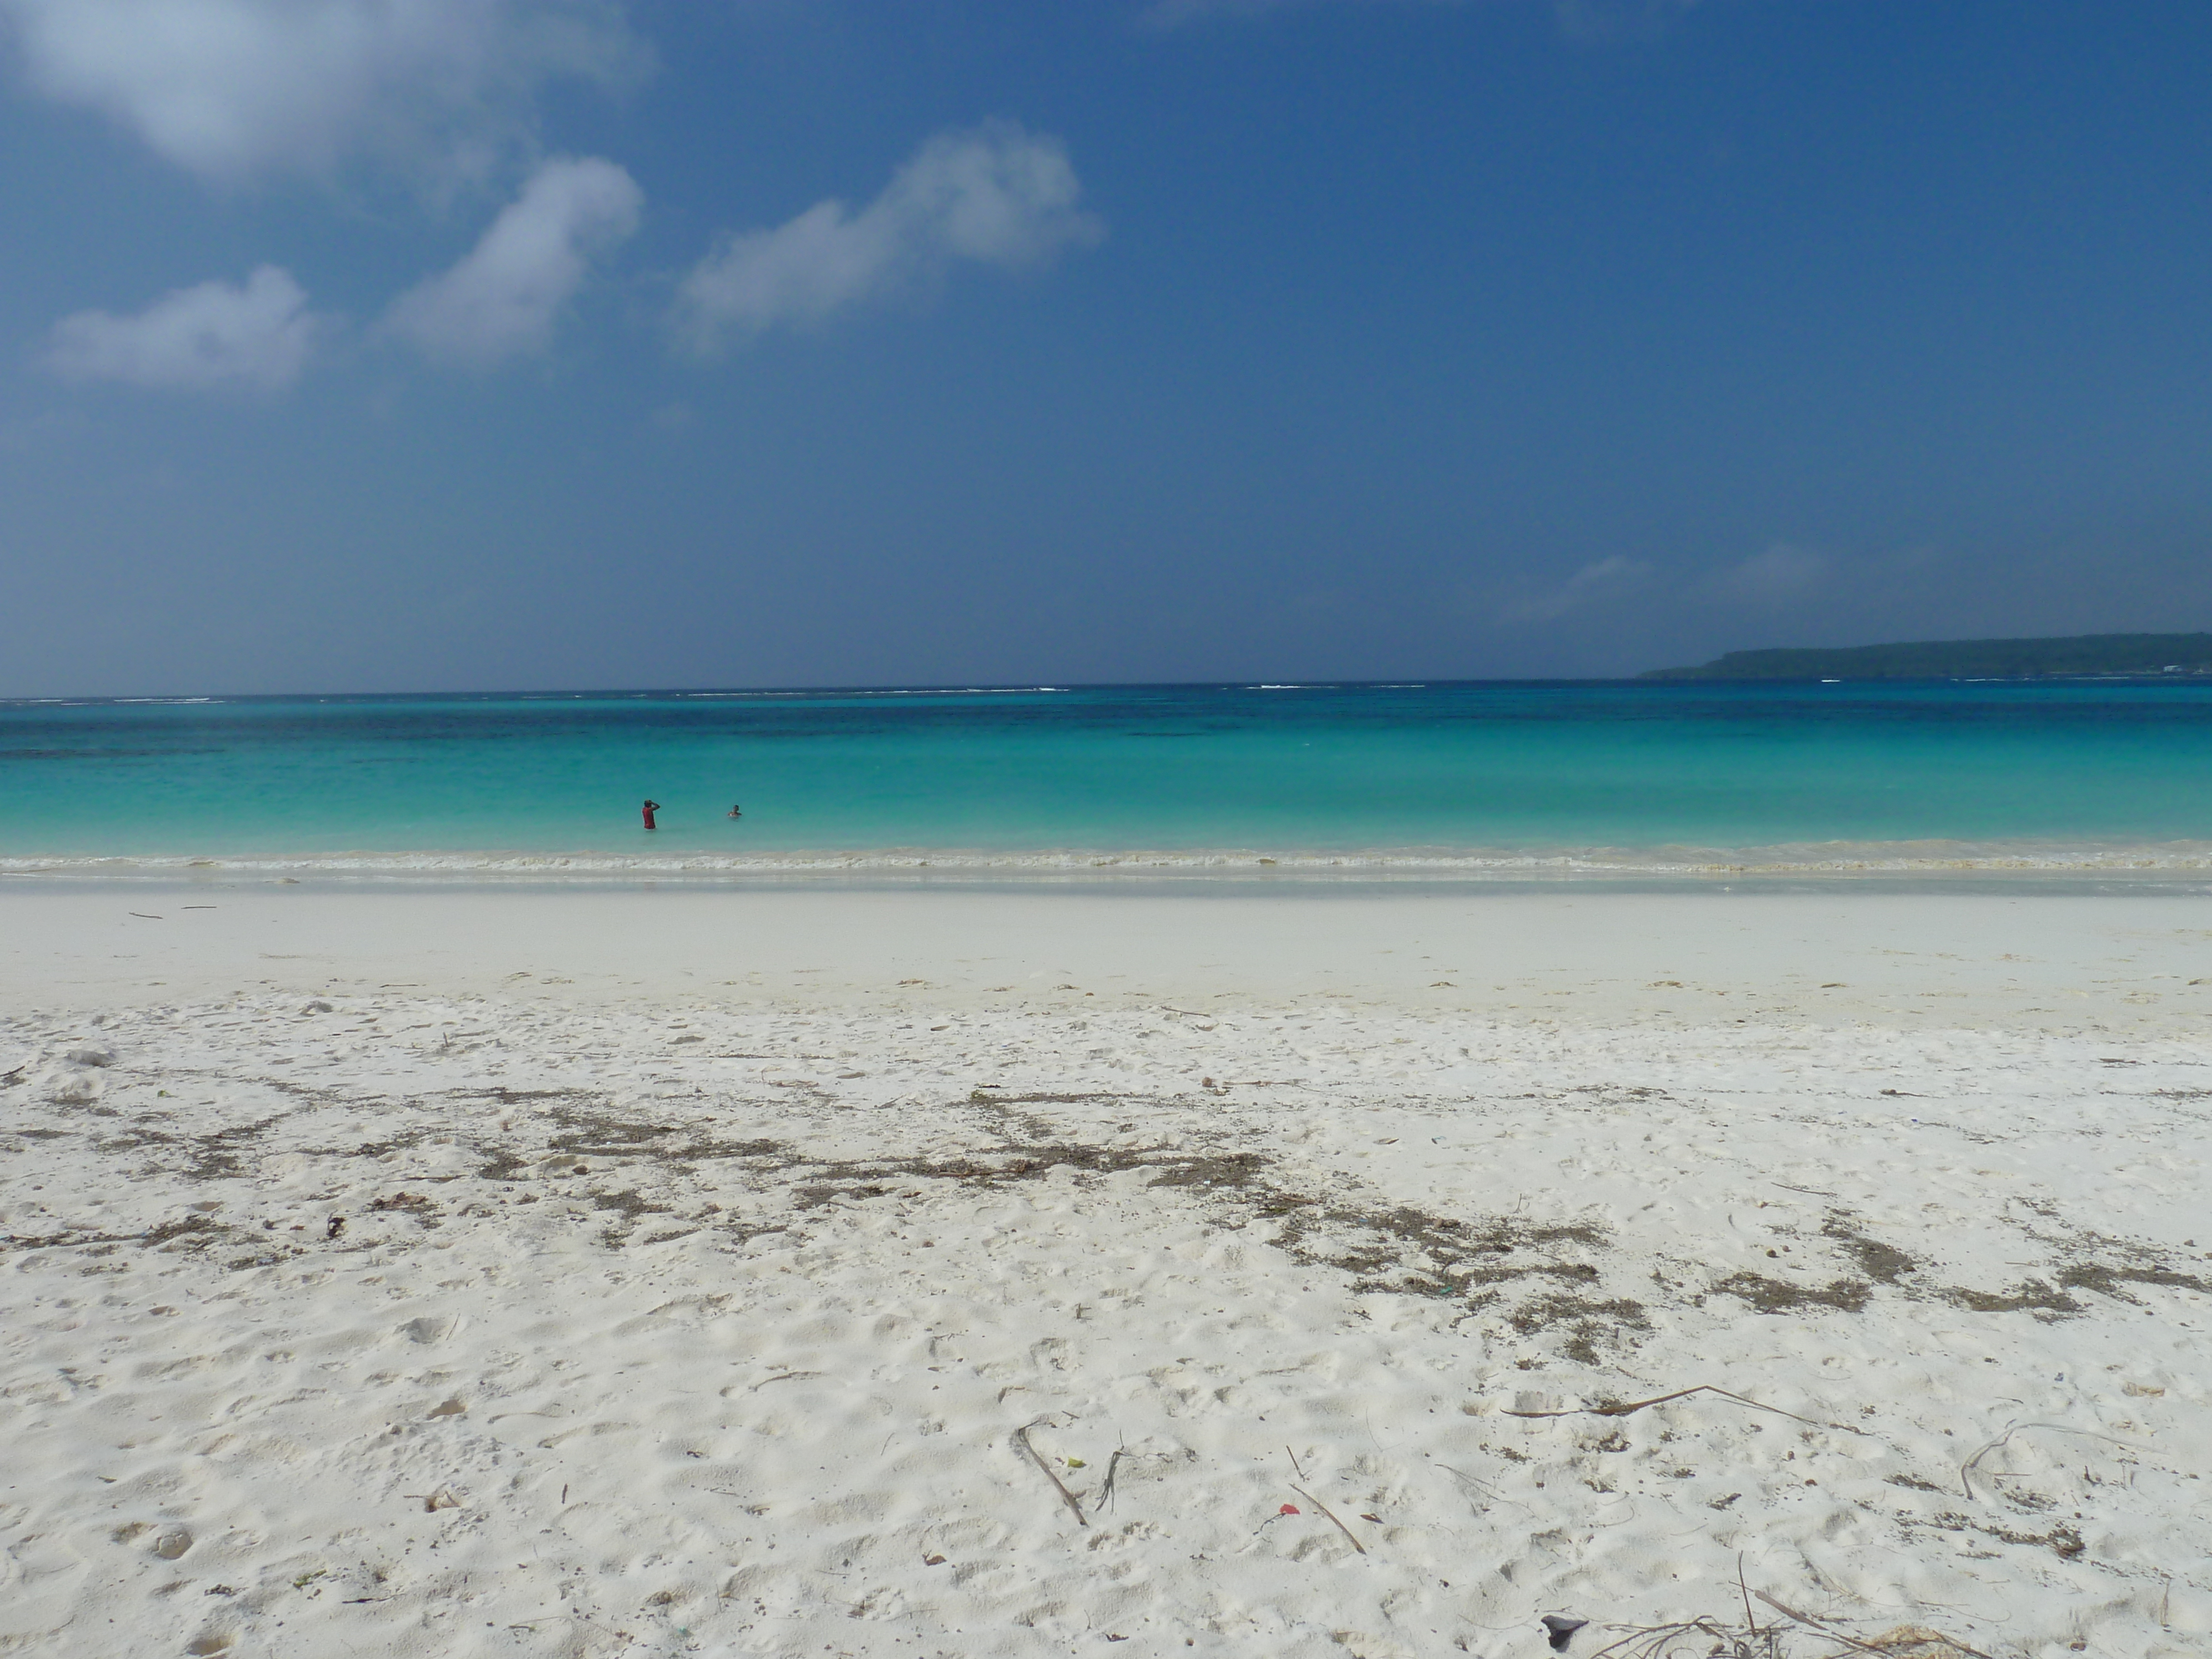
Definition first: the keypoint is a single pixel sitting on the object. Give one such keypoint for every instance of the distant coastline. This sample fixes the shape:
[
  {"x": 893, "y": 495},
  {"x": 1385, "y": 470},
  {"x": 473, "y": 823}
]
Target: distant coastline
[{"x": 2078, "y": 654}]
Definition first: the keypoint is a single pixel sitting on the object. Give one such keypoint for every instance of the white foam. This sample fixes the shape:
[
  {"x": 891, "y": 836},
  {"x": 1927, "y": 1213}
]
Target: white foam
[{"x": 2178, "y": 859}]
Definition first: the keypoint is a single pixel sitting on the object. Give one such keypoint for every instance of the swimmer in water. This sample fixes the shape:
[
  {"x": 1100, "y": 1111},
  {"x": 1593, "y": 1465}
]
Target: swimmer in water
[
  {"x": 737, "y": 811},
  {"x": 651, "y": 807}
]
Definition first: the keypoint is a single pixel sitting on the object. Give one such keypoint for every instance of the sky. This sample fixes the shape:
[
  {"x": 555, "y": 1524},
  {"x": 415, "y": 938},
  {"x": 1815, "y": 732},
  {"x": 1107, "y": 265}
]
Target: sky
[{"x": 360, "y": 345}]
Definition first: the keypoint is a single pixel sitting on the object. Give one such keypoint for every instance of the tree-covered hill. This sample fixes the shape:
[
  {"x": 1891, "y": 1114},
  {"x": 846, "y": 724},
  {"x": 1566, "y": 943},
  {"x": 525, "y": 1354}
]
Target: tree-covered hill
[{"x": 1937, "y": 660}]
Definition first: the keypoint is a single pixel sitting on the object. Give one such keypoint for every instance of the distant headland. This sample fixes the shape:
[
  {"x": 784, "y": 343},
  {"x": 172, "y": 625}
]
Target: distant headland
[{"x": 1977, "y": 659}]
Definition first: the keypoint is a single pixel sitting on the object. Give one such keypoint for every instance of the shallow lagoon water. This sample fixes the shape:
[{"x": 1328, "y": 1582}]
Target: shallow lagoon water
[{"x": 1496, "y": 778}]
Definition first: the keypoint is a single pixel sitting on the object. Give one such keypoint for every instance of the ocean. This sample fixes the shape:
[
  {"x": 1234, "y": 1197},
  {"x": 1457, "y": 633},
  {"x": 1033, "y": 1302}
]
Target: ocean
[{"x": 1490, "y": 780}]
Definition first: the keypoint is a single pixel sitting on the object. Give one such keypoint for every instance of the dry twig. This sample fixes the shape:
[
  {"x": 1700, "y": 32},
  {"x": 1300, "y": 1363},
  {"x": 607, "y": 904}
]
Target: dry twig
[
  {"x": 1113, "y": 1464},
  {"x": 780, "y": 1376},
  {"x": 1966, "y": 1469},
  {"x": 1659, "y": 1642},
  {"x": 1481, "y": 1490},
  {"x": 1623, "y": 1407},
  {"x": 1022, "y": 1437},
  {"x": 1333, "y": 1520},
  {"x": 1852, "y": 1641}
]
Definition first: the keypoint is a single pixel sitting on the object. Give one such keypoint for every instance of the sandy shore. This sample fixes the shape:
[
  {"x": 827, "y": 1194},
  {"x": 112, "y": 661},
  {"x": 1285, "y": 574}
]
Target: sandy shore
[{"x": 929, "y": 1272}]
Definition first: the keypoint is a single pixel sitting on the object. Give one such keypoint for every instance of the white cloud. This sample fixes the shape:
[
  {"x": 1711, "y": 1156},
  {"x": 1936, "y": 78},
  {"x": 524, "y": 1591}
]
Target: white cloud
[
  {"x": 216, "y": 337},
  {"x": 1777, "y": 576},
  {"x": 1602, "y": 580},
  {"x": 993, "y": 195},
  {"x": 504, "y": 299},
  {"x": 228, "y": 88}
]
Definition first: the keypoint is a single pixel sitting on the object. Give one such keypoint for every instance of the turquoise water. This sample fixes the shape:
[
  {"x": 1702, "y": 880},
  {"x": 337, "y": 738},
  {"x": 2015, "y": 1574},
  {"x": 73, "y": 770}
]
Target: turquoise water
[{"x": 1477, "y": 776}]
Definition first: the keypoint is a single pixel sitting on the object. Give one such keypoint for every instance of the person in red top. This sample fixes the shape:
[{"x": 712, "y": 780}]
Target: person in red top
[{"x": 651, "y": 807}]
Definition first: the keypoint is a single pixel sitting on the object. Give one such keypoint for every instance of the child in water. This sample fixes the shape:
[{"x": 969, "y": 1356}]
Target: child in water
[{"x": 651, "y": 807}]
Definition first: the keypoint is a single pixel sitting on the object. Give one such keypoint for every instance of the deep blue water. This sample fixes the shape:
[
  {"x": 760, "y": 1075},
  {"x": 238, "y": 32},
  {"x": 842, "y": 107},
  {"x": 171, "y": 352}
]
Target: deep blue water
[{"x": 2060, "y": 771}]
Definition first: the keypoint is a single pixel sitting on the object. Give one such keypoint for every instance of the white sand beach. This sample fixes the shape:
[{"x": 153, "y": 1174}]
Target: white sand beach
[{"x": 1023, "y": 1272}]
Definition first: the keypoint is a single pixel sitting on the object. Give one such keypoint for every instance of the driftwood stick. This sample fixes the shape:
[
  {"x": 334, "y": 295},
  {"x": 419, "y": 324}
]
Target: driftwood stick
[
  {"x": 1333, "y": 1520},
  {"x": 1623, "y": 1407},
  {"x": 1022, "y": 1436},
  {"x": 1835, "y": 1635}
]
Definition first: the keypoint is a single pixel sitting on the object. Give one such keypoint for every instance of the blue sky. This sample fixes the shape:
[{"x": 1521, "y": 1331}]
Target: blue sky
[{"x": 417, "y": 344}]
